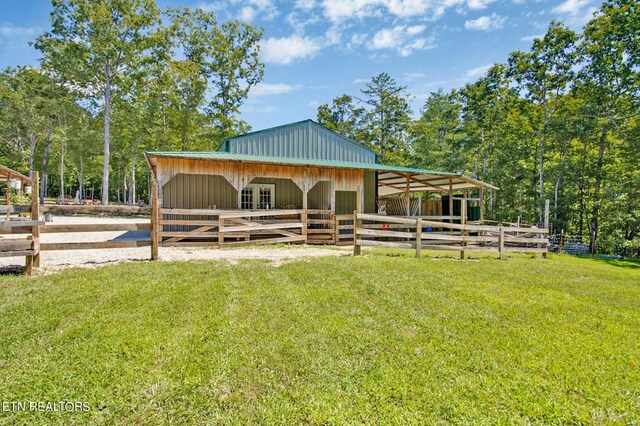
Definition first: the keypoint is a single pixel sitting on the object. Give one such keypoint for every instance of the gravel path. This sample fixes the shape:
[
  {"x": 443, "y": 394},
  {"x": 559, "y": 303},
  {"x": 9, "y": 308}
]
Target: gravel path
[{"x": 56, "y": 260}]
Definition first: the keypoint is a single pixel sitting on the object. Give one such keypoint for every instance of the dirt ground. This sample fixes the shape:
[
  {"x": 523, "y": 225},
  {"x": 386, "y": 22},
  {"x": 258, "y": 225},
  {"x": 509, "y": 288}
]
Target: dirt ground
[{"x": 55, "y": 260}]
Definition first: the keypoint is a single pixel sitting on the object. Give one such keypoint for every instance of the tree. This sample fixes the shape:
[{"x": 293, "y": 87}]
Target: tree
[
  {"x": 343, "y": 117},
  {"x": 223, "y": 58},
  {"x": 610, "y": 80},
  {"x": 388, "y": 118},
  {"x": 544, "y": 74},
  {"x": 94, "y": 45},
  {"x": 435, "y": 133}
]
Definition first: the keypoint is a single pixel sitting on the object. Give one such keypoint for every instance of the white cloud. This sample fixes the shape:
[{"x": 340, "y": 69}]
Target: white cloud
[
  {"x": 266, "y": 89},
  {"x": 578, "y": 12},
  {"x": 247, "y": 14},
  {"x": 17, "y": 37},
  {"x": 478, "y": 4},
  {"x": 285, "y": 50},
  {"x": 486, "y": 23},
  {"x": 477, "y": 72},
  {"x": 214, "y": 6},
  {"x": 305, "y": 4},
  {"x": 571, "y": 6},
  {"x": 339, "y": 10},
  {"x": 401, "y": 39},
  {"x": 412, "y": 76}
]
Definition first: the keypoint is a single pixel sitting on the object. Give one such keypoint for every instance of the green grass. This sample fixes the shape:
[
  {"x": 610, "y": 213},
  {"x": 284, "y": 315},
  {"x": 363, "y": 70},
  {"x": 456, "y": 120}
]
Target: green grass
[{"x": 382, "y": 338}]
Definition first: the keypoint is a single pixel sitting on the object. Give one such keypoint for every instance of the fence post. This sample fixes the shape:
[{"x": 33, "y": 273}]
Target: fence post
[
  {"x": 561, "y": 245},
  {"x": 463, "y": 222},
  {"x": 356, "y": 247},
  {"x": 336, "y": 233},
  {"x": 303, "y": 219},
  {"x": 418, "y": 236},
  {"x": 35, "y": 215},
  {"x": 220, "y": 234},
  {"x": 155, "y": 216},
  {"x": 501, "y": 243}
]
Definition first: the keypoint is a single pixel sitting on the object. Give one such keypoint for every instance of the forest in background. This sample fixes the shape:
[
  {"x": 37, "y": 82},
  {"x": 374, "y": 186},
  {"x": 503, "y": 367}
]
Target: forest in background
[{"x": 118, "y": 78}]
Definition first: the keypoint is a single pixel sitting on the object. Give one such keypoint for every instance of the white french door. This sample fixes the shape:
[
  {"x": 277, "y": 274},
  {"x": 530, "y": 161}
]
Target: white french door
[{"x": 258, "y": 196}]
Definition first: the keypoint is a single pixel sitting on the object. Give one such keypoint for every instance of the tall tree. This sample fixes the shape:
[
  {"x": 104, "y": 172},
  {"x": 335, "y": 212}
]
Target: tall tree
[
  {"x": 388, "y": 118},
  {"x": 93, "y": 44},
  {"x": 610, "y": 79},
  {"x": 344, "y": 116},
  {"x": 545, "y": 73}
]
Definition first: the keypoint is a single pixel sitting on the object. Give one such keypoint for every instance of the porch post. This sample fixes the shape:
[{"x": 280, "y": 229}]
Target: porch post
[
  {"x": 155, "y": 215},
  {"x": 303, "y": 215},
  {"x": 450, "y": 200},
  {"x": 35, "y": 215},
  {"x": 407, "y": 196},
  {"x": 481, "y": 206}
]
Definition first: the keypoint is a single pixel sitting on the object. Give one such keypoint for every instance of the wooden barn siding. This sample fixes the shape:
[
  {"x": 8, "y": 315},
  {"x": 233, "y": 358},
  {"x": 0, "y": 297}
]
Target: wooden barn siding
[{"x": 240, "y": 175}]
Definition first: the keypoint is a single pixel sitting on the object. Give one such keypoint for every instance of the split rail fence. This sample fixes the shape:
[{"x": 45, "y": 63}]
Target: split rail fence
[{"x": 418, "y": 234}]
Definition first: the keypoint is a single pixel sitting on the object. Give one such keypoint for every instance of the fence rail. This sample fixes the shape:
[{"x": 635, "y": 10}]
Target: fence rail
[{"x": 418, "y": 233}]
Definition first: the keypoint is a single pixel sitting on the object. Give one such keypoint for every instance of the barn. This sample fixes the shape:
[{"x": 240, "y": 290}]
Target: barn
[{"x": 302, "y": 173}]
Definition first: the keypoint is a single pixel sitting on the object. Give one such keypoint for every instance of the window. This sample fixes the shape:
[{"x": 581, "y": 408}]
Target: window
[{"x": 258, "y": 196}]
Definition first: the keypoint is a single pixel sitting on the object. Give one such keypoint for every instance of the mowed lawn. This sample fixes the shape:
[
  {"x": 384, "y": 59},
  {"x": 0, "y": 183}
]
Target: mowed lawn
[{"x": 383, "y": 338}]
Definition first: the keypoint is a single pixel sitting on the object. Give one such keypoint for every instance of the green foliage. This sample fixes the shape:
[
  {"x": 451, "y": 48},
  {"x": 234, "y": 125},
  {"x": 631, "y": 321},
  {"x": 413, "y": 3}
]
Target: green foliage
[{"x": 382, "y": 339}]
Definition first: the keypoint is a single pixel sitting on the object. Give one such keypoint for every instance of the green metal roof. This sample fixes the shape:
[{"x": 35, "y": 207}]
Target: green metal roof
[
  {"x": 303, "y": 139},
  {"x": 225, "y": 156}
]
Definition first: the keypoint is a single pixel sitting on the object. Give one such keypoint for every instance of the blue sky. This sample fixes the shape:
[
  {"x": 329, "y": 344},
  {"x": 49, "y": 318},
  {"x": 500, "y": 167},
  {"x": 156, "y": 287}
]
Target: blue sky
[{"x": 315, "y": 50}]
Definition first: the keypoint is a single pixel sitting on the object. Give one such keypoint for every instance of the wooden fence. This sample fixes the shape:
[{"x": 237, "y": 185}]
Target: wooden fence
[{"x": 418, "y": 233}]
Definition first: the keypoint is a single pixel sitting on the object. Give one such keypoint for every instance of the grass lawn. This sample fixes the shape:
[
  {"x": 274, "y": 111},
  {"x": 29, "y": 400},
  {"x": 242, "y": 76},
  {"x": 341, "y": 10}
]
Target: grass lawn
[{"x": 383, "y": 338}]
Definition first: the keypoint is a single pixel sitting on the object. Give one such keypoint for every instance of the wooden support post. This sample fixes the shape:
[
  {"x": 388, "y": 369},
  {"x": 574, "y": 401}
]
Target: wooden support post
[
  {"x": 407, "y": 195},
  {"x": 501, "y": 243},
  {"x": 481, "y": 206},
  {"x": 305, "y": 205},
  {"x": 463, "y": 221},
  {"x": 35, "y": 215},
  {"x": 357, "y": 251},
  {"x": 303, "y": 219},
  {"x": 546, "y": 225},
  {"x": 220, "y": 234},
  {"x": 450, "y": 200},
  {"x": 8, "y": 197},
  {"x": 336, "y": 233},
  {"x": 155, "y": 219},
  {"x": 418, "y": 236}
]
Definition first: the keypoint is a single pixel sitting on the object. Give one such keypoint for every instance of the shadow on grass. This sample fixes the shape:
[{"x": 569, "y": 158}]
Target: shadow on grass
[
  {"x": 12, "y": 270},
  {"x": 621, "y": 263}
]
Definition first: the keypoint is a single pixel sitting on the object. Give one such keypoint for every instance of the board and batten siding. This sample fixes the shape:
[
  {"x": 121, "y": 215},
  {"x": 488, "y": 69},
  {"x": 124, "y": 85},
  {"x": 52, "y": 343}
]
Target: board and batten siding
[{"x": 306, "y": 139}]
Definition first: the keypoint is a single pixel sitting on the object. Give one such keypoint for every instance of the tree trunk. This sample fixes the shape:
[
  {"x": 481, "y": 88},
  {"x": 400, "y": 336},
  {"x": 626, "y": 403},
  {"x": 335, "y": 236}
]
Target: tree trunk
[
  {"x": 81, "y": 180},
  {"x": 556, "y": 190},
  {"x": 62, "y": 152},
  {"x": 593, "y": 232},
  {"x": 541, "y": 177},
  {"x": 107, "y": 135},
  {"x": 45, "y": 159},
  {"x": 33, "y": 140}
]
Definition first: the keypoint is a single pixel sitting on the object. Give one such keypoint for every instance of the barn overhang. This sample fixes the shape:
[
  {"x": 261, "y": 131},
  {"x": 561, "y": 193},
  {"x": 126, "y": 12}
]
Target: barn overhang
[{"x": 391, "y": 179}]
